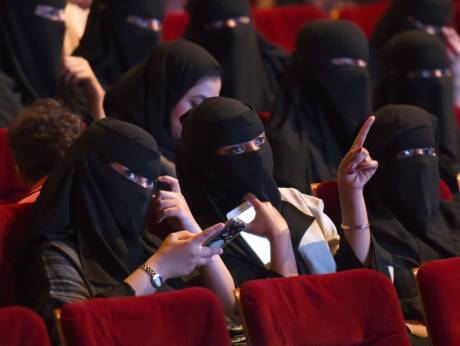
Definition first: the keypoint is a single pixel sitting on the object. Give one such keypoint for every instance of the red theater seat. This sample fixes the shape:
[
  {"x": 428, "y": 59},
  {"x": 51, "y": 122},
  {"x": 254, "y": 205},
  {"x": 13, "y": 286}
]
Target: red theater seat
[
  {"x": 174, "y": 26},
  {"x": 14, "y": 227},
  {"x": 365, "y": 16},
  {"x": 281, "y": 24},
  {"x": 439, "y": 285},
  {"x": 11, "y": 187},
  {"x": 186, "y": 317},
  {"x": 357, "y": 307},
  {"x": 328, "y": 191},
  {"x": 22, "y": 327}
]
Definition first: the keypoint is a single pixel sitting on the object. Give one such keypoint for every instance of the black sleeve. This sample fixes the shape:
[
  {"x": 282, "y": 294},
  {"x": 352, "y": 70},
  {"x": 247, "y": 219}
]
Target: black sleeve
[{"x": 121, "y": 290}]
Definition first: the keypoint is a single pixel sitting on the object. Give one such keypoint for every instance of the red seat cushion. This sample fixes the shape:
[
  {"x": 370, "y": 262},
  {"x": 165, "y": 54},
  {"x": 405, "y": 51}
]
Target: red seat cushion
[
  {"x": 358, "y": 307},
  {"x": 365, "y": 16},
  {"x": 281, "y": 24},
  {"x": 14, "y": 227},
  {"x": 439, "y": 284},
  {"x": 187, "y": 317},
  {"x": 11, "y": 187},
  {"x": 22, "y": 327}
]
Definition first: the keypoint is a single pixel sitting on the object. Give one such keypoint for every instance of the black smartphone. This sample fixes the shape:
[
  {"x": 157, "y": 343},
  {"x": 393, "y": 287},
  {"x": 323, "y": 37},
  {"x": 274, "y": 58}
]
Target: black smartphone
[
  {"x": 232, "y": 228},
  {"x": 161, "y": 186}
]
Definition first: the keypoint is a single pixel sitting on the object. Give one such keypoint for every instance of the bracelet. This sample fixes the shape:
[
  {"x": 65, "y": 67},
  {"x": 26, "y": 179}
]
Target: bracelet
[{"x": 362, "y": 227}]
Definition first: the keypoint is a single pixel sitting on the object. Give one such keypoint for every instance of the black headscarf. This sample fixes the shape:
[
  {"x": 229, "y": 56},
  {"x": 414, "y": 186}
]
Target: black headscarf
[
  {"x": 10, "y": 101},
  {"x": 147, "y": 94},
  {"x": 88, "y": 203},
  {"x": 320, "y": 105},
  {"x": 31, "y": 47},
  {"x": 400, "y": 17},
  {"x": 111, "y": 44},
  {"x": 414, "y": 52},
  {"x": 251, "y": 65},
  {"x": 215, "y": 184},
  {"x": 406, "y": 215}
]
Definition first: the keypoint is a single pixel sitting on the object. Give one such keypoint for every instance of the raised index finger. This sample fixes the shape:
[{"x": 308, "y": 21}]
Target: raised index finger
[{"x": 361, "y": 137}]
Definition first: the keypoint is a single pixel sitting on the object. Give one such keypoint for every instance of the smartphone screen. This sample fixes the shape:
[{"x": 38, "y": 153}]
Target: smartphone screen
[{"x": 261, "y": 246}]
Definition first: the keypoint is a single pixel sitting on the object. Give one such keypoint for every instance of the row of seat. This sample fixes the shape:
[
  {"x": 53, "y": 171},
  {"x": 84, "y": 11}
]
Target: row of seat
[{"x": 357, "y": 307}]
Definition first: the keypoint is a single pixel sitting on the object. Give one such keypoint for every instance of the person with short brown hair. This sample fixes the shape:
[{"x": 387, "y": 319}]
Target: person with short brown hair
[{"x": 39, "y": 138}]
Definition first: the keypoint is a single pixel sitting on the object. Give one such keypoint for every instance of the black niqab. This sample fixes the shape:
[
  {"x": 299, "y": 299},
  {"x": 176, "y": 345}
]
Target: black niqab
[
  {"x": 399, "y": 18},
  {"x": 31, "y": 47},
  {"x": 147, "y": 94},
  {"x": 88, "y": 203},
  {"x": 251, "y": 65},
  {"x": 414, "y": 52},
  {"x": 111, "y": 44},
  {"x": 215, "y": 184},
  {"x": 407, "y": 217},
  {"x": 320, "y": 105}
]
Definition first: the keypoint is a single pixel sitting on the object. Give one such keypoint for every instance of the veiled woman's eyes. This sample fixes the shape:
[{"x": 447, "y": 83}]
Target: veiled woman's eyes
[
  {"x": 238, "y": 150},
  {"x": 150, "y": 183},
  {"x": 417, "y": 152},
  {"x": 260, "y": 140},
  {"x": 130, "y": 174}
]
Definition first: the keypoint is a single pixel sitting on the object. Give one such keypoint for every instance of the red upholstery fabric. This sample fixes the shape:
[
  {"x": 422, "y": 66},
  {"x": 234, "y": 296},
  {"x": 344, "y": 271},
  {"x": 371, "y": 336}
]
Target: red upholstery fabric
[
  {"x": 174, "y": 26},
  {"x": 14, "y": 222},
  {"x": 358, "y": 307},
  {"x": 439, "y": 284},
  {"x": 445, "y": 193},
  {"x": 265, "y": 116},
  {"x": 280, "y": 25},
  {"x": 187, "y": 317},
  {"x": 22, "y": 327},
  {"x": 11, "y": 187},
  {"x": 365, "y": 16}
]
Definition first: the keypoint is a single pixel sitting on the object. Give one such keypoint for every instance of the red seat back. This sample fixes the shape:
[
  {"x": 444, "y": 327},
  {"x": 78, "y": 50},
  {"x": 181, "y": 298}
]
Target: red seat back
[
  {"x": 11, "y": 187},
  {"x": 281, "y": 24},
  {"x": 357, "y": 307},
  {"x": 14, "y": 227},
  {"x": 186, "y": 317},
  {"x": 365, "y": 16},
  {"x": 22, "y": 327},
  {"x": 439, "y": 285},
  {"x": 328, "y": 191},
  {"x": 174, "y": 26}
]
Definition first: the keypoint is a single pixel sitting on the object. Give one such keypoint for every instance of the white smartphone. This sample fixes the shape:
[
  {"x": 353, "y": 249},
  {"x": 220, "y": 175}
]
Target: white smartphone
[{"x": 261, "y": 246}]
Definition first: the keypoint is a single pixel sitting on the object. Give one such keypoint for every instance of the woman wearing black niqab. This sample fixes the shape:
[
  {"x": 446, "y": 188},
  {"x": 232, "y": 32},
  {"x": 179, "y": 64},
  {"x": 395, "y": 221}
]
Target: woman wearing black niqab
[
  {"x": 148, "y": 94},
  {"x": 252, "y": 65},
  {"x": 90, "y": 221},
  {"x": 403, "y": 15},
  {"x": 416, "y": 71},
  {"x": 323, "y": 99},
  {"x": 31, "y": 40},
  {"x": 223, "y": 155},
  {"x": 119, "y": 35},
  {"x": 408, "y": 219}
]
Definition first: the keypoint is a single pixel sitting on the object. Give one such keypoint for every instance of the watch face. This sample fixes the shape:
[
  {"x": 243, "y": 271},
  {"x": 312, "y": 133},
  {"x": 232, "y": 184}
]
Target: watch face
[{"x": 157, "y": 280}]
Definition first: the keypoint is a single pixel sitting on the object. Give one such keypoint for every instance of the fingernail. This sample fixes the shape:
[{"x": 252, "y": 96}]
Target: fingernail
[{"x": 350, "y": 169}]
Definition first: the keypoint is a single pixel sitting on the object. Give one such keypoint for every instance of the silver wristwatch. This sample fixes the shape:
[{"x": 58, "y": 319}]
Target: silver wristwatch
[{"x": 155, "y": 279}]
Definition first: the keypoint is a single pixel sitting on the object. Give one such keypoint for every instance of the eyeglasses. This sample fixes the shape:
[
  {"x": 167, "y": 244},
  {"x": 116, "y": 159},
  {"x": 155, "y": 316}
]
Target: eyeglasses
[
  {"x": 416, "y": 152},
  {"x": 349, "y": 62},
  {"x": 228, "y": 23},
  {"x": 145, "y": 23}
]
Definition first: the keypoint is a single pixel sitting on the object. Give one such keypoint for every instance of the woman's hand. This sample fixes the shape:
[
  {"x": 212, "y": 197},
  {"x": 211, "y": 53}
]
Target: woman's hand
[
  {"x": 268, "y": 221},
  {"x": 357, "y": 167},
  {"x": 182, "y": 252},
  {"x": 171, "y": 205},
  {"x": 76, "y": 71}
]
